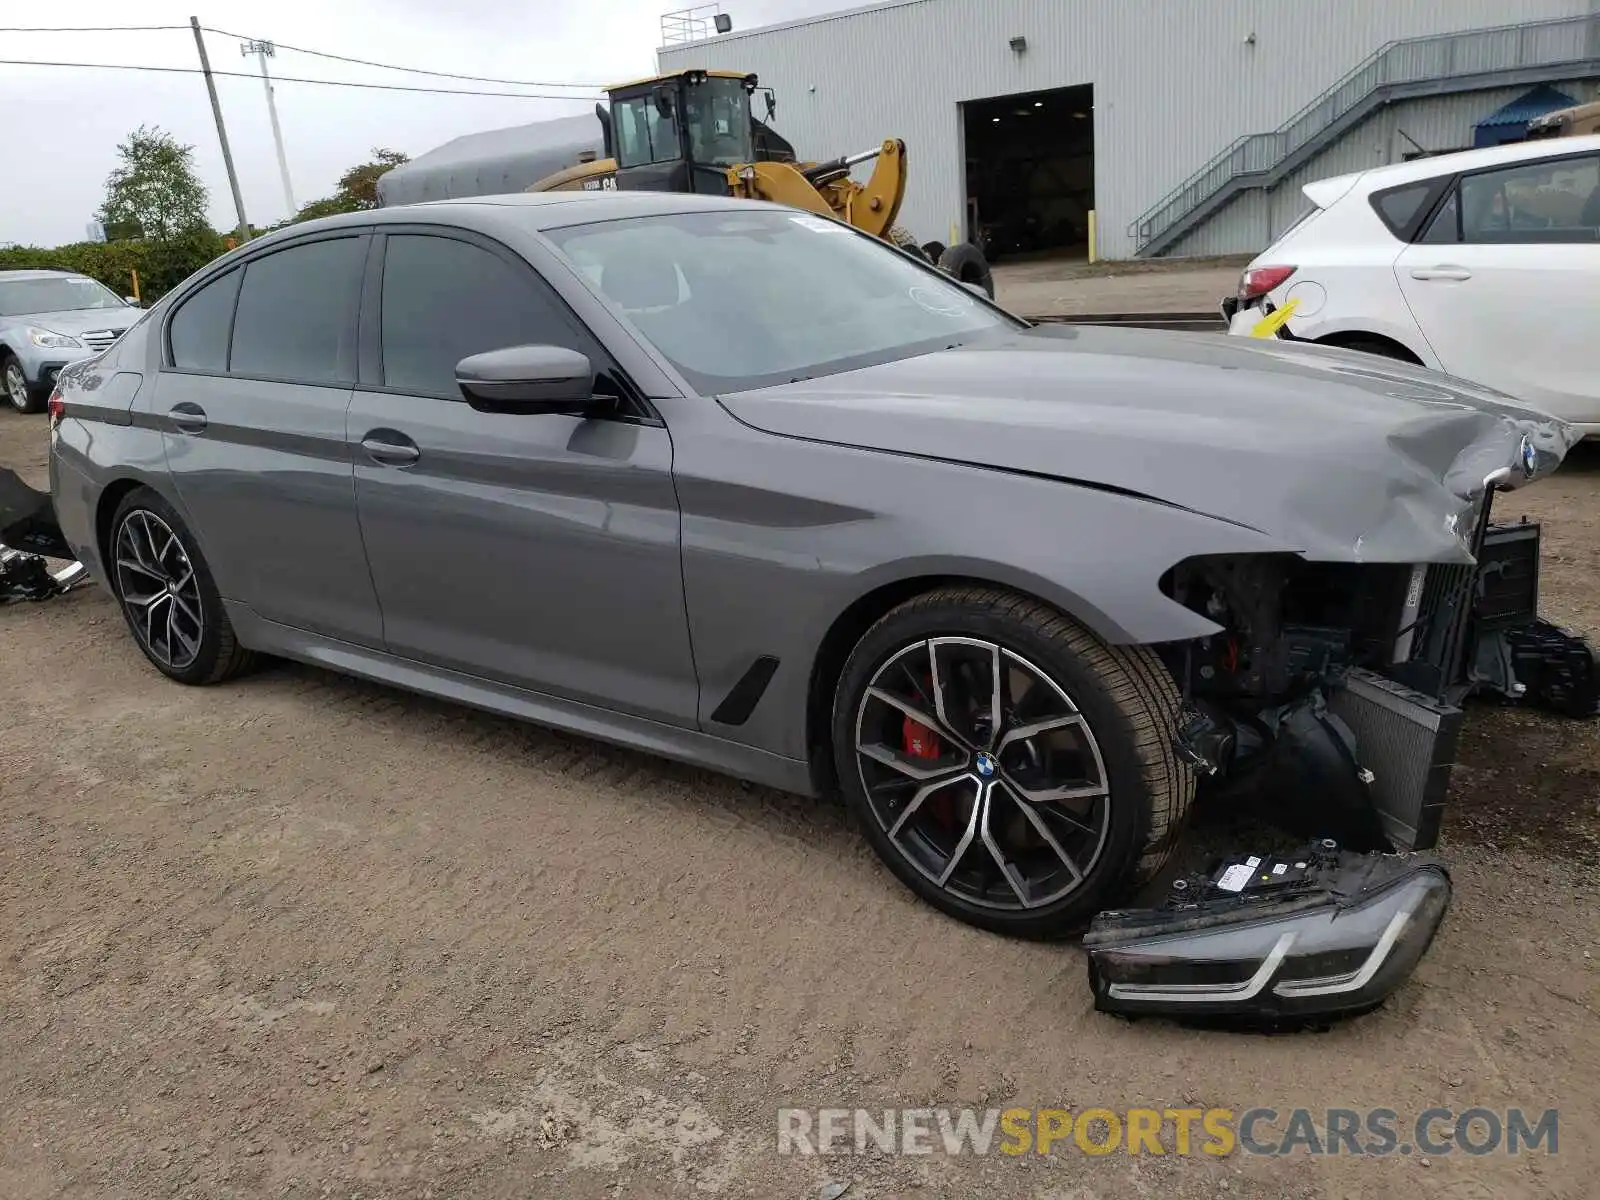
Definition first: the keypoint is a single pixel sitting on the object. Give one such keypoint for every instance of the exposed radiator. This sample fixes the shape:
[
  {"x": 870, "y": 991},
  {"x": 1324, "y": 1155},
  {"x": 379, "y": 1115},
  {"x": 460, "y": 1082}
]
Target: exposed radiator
[{"x": 1408, "y": 741}]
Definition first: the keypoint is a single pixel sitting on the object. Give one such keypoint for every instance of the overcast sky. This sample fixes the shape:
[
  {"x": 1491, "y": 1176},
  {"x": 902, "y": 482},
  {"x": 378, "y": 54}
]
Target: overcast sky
[{"x": 61, "y": 126}]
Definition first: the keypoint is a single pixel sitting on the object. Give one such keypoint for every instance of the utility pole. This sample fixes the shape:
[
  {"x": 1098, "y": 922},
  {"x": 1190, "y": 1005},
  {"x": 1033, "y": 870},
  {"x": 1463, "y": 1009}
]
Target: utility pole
[
  {"x": 264, "y": 51},
  {"x": 222, "y": 131}
]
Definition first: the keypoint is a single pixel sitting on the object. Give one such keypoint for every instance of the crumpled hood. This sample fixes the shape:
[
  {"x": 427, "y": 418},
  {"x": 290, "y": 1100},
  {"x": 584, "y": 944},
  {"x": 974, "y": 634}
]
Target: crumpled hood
[
  {"x": 1336, "y": 454},
  {"x": 78, "y": 320}
]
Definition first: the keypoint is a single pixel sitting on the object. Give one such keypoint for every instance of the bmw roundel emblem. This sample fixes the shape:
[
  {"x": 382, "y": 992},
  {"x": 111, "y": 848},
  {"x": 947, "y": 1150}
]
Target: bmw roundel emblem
[
  {"x": 1530, "y": 457},
  {"x": 985, "y": 764}
]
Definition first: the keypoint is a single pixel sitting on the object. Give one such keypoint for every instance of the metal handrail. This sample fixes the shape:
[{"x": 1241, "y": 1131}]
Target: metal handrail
[{"x": 1461, "y": 54}]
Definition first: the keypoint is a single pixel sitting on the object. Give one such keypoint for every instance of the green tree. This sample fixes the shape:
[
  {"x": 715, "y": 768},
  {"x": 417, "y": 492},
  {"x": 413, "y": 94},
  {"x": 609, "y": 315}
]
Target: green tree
[
  {"x": 154, "y": 192},
  {"x": 357, "y": 189},
  {"x": 154, "y": 195}
]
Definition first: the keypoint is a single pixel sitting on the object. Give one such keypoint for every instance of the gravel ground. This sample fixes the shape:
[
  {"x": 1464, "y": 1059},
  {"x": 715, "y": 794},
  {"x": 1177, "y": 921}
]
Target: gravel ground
[
  {"x": 1050, "y": 286},
  {"x": 302, "y": 936}
]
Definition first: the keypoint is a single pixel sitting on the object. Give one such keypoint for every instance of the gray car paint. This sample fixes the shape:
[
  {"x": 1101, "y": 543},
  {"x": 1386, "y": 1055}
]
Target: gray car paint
[
  {"x": 860, "y": 488},
  {"x": 1331, "y": 455}
]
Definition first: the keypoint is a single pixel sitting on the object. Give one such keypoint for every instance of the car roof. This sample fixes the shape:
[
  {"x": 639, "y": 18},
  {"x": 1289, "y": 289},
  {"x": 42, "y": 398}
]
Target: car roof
[
  {"x": 531, "y": 210},
  {"x": 1377, "y": 178},
  {"x": 40, "y": 273}
]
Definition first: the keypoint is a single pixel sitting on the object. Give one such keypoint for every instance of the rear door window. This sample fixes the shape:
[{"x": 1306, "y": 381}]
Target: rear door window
[
  {"x": 296, "y": 318},
  {"x": 1542, "y": 202},
  {"x": 198, "y": 332},
  {"x": 1445, "y": 228}
]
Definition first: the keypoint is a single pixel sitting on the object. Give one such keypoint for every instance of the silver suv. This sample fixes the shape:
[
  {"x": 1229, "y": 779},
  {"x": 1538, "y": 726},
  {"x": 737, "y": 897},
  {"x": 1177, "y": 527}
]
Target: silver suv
[{"x": 49, "y": 319}]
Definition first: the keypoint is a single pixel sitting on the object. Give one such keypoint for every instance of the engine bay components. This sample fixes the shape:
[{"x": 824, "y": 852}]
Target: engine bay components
[{"x": 1272, "y": 939}]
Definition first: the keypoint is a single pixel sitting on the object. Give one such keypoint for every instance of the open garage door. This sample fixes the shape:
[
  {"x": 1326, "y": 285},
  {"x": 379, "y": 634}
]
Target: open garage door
[{"x": 1030, "y": 171}]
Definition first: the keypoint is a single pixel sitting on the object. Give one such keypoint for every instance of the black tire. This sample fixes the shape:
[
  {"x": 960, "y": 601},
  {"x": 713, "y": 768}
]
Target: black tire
[
  {"x": 965, "y": 262},
  {"x": 900, "y": 237},
  {"x": 1128, "y": 702},
  {"x": 217, "y": 654},
  {"x": 934, "y": 251},
  {"x": 21, "y": 396}
]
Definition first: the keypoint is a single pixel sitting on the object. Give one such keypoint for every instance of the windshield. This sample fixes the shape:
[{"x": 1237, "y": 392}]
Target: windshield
[
  {"x": 745, "y": 299},
  {"x": 643, "y": 134},
  {"x": 65, "y": 293},
  {"x": 718, "y": 118}
]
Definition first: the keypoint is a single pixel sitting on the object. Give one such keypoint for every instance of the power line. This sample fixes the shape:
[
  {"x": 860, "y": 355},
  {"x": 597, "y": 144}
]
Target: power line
[
  {"x": 382, "y": 87},
  {"x": 88, "y": 28},
  {"x": 409, "y": 70}
]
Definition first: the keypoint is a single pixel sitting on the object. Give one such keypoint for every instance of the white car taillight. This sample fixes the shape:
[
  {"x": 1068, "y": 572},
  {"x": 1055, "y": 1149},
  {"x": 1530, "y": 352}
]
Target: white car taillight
[{"x": 1258, "y": 281}]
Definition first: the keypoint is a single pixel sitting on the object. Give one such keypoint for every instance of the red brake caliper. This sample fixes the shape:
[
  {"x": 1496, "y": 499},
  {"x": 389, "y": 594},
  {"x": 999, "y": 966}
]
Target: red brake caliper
[{"x": 919, "y": 740}]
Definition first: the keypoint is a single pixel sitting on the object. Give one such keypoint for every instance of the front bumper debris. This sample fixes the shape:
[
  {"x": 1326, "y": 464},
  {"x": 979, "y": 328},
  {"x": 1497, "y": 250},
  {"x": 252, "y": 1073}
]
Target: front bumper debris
[
  {"x": 28, "y": 536},
  {"x": 1265, "y": 939}
]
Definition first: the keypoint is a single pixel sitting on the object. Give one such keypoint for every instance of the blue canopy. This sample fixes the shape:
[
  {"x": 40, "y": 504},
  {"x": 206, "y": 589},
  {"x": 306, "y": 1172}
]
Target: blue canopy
[{"x": 1509, "y": 122}]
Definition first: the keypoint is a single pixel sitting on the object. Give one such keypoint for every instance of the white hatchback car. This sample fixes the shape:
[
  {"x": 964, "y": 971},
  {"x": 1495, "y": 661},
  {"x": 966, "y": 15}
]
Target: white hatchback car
[{"x": 1484, "y": 264}]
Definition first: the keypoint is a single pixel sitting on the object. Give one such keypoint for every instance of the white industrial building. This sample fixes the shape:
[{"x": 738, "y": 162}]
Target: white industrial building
[{"x": 1186, "y": 126}]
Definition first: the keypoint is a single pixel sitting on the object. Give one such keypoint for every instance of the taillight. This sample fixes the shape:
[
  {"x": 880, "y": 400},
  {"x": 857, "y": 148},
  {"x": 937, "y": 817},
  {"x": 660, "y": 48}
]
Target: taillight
[
  {"x": 1258, "y": 281},
  {"x": 56, "y": 406}
]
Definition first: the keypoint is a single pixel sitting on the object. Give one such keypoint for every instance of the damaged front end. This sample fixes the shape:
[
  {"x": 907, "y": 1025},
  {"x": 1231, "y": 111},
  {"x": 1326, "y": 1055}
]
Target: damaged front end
[{"x": 1334, "y": 690}]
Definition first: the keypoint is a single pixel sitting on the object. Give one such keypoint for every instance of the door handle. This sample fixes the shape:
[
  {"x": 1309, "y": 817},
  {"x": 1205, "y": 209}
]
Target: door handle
[
  {"x": 1429, "y": 273},
  {"x": 390, "y": 449},
  {"x": 187, "y": 417}
]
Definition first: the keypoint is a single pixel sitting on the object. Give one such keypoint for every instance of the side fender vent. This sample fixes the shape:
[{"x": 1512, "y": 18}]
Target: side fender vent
[{"x": 743, "y": 697}]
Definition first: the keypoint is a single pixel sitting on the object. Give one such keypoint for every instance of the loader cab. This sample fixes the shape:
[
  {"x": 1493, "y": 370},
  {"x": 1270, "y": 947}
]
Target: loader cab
[{"x": 681, "y": 132}]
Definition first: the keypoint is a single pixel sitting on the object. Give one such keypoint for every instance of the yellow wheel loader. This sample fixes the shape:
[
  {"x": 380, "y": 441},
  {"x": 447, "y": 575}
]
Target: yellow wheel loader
[
  {"x": 694, "y": 131},
  {"x": 1577, "y": 121}
]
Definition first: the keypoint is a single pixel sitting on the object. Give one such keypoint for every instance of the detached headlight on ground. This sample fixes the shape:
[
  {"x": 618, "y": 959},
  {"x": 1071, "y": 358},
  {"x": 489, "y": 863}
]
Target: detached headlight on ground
[
  {"x": 1319, "y": 933},
  {"x": 51, "y": 340}
]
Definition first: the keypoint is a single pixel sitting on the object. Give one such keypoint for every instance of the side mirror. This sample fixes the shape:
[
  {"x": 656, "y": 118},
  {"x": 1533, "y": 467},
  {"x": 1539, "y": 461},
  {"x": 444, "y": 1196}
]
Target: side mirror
[
  {"x": 527, "y": 379},
  {"x": 132, "y": 302}
]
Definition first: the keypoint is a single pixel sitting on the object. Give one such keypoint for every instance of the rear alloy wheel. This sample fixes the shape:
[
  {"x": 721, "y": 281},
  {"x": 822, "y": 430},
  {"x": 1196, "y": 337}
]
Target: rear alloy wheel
[
  {"x": 167, "y": 595},
  {"x": 23, "y": 396},
  {"x": 1009, "y": 767}
]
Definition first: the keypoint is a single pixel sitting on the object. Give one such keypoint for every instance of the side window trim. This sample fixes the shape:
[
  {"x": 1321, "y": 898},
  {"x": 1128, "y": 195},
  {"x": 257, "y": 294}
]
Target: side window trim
[
  {"x": 1451, "y": 190},
  {"x": 363, "y": 232},
  {"x": 371, "y": 377}
]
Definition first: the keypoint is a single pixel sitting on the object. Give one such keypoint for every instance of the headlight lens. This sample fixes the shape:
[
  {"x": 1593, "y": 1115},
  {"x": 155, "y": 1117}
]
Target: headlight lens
[
  {"x": 51, "y": 340},
  {"x": 1340, "y": 942}
]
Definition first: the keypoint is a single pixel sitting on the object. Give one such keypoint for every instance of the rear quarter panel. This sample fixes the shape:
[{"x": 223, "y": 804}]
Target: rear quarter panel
[
  {"x": 1344, "y": 281},
  {"x": 107, "y": 439}
]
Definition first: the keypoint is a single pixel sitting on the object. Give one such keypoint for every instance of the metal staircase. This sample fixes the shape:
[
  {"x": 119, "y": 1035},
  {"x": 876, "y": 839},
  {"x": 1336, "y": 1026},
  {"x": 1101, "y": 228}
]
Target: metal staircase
[{"x": 1471, "y": 60}]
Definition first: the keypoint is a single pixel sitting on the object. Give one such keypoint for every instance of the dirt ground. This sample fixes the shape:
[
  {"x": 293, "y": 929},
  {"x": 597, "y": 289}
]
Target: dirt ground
[
  {"x": 1041, "y": 286},
  {"x": 301, "y": 936}
]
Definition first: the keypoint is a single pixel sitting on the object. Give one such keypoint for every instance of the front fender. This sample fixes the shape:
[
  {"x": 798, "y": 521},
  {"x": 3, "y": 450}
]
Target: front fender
[{"x": 782, "y": 536}]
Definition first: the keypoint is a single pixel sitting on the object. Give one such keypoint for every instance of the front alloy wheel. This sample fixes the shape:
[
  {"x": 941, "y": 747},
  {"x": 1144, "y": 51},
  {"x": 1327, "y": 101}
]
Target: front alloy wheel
[
  {"x": 1011, "y": 768},
  {"x": 17, "y": 389},
  {"x": 982, "y": 773}
]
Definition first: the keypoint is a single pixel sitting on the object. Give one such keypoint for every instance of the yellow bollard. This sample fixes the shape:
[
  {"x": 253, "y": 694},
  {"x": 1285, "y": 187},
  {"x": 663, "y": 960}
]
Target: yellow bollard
[
  {"x": 1092, "y": 255},
  {"x": 135, "y": 275}
]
